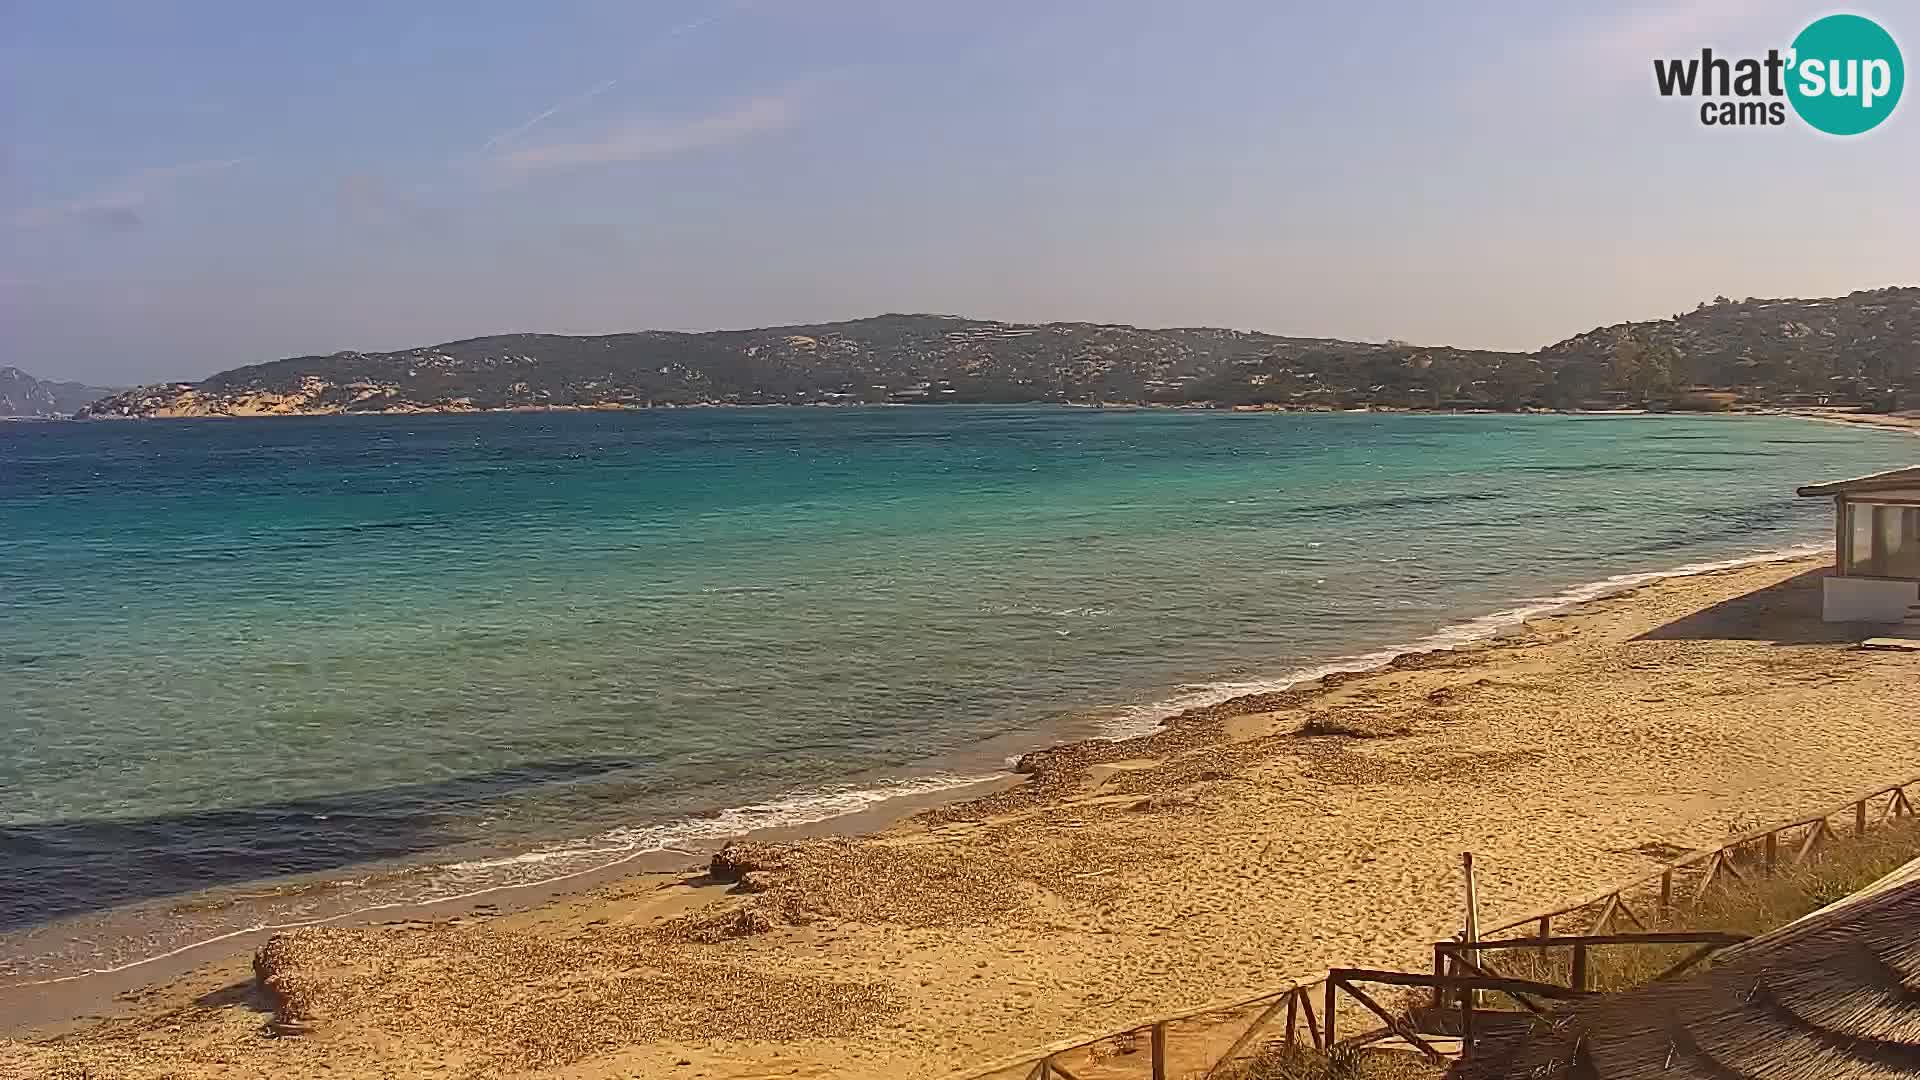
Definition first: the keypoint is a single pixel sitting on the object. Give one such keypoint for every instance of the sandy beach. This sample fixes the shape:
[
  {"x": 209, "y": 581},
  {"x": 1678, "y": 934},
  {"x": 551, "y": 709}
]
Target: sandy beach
[
  {"x": 1907, "y": 421},
  {"x": 1243, "y": 846}
]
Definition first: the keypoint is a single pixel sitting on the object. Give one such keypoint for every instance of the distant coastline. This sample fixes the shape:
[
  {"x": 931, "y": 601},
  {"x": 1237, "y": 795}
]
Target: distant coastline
[
  {"x": 1905, "y": 420},
  {"x": 1851, "y": 351}
]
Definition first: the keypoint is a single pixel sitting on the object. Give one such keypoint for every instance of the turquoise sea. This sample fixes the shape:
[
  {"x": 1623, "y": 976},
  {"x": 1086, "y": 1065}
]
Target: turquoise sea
[{"x": 417, "y": 657}]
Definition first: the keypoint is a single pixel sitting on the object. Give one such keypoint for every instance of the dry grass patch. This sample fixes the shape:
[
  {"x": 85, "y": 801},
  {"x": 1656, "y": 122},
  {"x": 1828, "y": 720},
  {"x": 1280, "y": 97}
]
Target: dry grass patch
[
  {"x": 1277, "y": 1061},
  {"x": 1760, "y": 904}
]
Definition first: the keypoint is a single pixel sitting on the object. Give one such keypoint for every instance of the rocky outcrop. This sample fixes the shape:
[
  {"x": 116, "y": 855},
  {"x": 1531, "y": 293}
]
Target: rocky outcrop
[
  {"x": 312, "y": 397},
  {"x": 22, "y": 395}
]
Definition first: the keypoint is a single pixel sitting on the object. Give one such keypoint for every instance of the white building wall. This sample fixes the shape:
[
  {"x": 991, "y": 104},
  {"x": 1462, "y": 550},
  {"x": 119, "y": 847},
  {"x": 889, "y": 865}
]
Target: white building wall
[{"x": 1852, "y": 599}]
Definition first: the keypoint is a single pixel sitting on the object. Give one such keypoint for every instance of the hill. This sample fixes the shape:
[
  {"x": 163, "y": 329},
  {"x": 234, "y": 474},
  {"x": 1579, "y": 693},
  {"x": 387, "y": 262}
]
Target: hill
[
  {"x": 1863, "y": 348},
  {"x": 22, "y": 395}
]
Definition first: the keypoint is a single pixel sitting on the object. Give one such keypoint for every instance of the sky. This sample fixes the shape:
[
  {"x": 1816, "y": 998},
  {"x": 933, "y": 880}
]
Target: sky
[{"x": 191, "y": 186}]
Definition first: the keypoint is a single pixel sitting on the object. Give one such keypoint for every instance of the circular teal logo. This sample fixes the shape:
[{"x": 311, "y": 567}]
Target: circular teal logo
[{"x": 1845, "y": 74}]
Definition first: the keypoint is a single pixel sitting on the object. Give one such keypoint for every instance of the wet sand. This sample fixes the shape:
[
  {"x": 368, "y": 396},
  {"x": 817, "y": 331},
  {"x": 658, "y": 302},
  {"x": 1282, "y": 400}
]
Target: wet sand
[
  {"x": 1224, "y": 855},
  {"x": 33, "y": 1008}
]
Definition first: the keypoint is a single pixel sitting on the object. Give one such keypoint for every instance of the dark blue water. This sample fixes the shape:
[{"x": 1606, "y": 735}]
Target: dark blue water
[{"x": 232, "y": 651}]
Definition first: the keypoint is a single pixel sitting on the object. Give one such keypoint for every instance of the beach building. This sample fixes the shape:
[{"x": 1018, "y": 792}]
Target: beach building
[
  {"x": 1828, "y": 997},
  {"x": 1876, "y": 557}
]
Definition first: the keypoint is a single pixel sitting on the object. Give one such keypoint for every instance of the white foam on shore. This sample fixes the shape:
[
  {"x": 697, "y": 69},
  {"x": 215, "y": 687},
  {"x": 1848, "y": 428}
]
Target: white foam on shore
[
  {"x": 1136, "y": 720},
  {"x": 792, "y": 810},
  {"x": 615, "y": 847},
  {"x": 607, "y": 851}
]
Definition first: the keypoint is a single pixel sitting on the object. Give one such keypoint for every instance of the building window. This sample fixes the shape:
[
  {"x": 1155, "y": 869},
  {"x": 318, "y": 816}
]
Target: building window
[{"x": 1883, "y": 540}]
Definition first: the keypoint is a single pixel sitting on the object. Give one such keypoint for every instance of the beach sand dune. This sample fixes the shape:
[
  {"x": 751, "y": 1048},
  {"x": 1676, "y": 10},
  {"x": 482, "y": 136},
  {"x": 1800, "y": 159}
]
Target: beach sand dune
[{"x": 1223, "y": 855}]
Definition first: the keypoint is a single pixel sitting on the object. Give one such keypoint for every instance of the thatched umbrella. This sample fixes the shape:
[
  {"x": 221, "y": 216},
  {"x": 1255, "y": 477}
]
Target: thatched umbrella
[{"x": 1833, "y": 996}]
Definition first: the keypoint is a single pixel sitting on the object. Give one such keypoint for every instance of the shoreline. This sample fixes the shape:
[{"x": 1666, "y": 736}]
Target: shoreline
[
  {"x": 1137, "y": 721},
  {"x": 43, "y": 1006},
  {"x": 1227, "y": 852},
  {"x": 1237, "y": 848},
  {"x": 1907, "y": 421},
  {"x": 875, "y": 805},
  {"x": 40, "y": 1008},
  {"x": 1114, "y": 708}
]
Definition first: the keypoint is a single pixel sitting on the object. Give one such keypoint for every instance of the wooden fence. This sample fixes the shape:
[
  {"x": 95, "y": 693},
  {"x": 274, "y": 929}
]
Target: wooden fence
[
  {"x": 1687, "y": 881},
  {"x": 1461, "y": 973},
  {"x": 1205, "y": 1028},
  {"x": 1216, "y": 1034}
]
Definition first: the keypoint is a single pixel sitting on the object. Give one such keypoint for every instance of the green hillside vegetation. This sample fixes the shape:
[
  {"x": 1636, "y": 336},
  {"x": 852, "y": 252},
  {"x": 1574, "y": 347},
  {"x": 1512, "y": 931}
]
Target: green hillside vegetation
[{"x": 1862, "y": 349}]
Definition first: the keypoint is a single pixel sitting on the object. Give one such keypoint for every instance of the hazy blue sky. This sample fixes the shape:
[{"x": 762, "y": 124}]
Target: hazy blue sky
[{"x": 189, "y": 186}]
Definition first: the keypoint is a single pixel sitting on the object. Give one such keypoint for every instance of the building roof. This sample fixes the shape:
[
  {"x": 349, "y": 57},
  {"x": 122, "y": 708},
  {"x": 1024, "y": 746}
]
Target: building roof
[
  {"x": 1833, "y": 996},
  {"x": 1860, "y": 485}
]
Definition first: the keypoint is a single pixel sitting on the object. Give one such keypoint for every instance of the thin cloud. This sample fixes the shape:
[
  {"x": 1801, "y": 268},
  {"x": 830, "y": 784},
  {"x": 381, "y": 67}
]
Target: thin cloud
[
  {"x": 641, "y": 142},
  {"x": 119, "y": 204},
  {"x": 502, "y": 138},
  {"x": 509, "y": 136}
]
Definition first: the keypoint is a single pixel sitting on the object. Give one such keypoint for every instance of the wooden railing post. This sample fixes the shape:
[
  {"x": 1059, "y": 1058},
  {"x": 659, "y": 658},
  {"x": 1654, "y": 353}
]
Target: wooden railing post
[
  {"x": 1814, "y": 829},
  {"x": 1604, "y": 921},
  {"x": 1439, "y": 971},
  {"x": 1473, "y": 912},
  {"x": 1450, "y": 963},
  {"x": 1466, "y": 1026},
  {"x": 1253, "y": 1031},
  {"x": 1332, "y": 1005}
]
